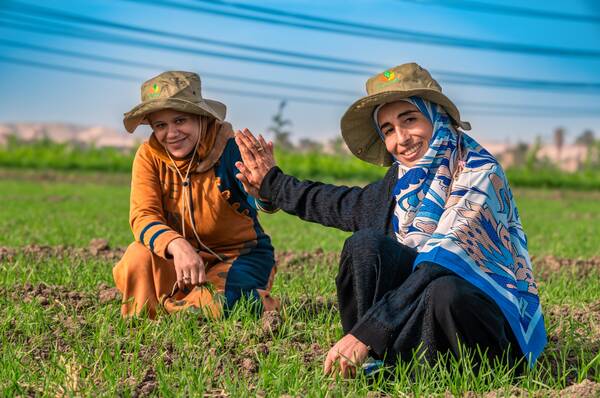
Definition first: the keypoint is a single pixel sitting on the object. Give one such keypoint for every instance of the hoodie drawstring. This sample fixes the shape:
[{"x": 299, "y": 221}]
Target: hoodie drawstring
[{"x": 186, "y": 182}]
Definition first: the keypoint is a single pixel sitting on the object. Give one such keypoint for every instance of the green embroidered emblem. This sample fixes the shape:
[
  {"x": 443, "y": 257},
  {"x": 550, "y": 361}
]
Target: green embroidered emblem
[
  {"x": 154, "y": 91},
  {"x": 388, "y": 76},
  {"x": 385, "y": 79}
]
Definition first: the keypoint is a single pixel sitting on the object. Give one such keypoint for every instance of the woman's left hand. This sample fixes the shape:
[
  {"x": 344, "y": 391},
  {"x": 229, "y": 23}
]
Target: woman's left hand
[{"x": 350, "y": 352}]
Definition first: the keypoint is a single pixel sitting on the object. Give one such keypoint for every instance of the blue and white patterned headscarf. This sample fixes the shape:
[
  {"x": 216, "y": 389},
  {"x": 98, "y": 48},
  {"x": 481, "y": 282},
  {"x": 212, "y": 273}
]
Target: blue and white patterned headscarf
[{"x": 456, "y": 208}]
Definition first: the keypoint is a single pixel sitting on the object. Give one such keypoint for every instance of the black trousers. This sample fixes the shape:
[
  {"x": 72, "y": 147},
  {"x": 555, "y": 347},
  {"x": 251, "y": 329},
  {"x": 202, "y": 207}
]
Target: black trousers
[{"x": 395, "y": 310}]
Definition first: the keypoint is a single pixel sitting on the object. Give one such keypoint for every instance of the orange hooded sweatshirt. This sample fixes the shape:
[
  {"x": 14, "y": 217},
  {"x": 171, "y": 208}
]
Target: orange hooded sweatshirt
[{"x": 211, "y": 210}]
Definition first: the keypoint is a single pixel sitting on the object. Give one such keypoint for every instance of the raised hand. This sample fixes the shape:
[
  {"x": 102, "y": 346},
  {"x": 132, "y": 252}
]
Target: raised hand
[{"x": 257, "y": 160}]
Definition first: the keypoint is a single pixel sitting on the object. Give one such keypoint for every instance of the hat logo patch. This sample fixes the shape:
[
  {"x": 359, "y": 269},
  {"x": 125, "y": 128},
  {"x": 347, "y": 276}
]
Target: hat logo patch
[
  {"x": 385, "y": 79},
  {"x": 388, "y": 76},
  {"x": 154, "y": 91}
]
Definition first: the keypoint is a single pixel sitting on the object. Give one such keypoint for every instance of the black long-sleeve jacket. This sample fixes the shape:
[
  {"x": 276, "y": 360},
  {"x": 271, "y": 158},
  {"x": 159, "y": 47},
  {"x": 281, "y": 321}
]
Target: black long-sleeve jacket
[{"x": 346, "y": 208}]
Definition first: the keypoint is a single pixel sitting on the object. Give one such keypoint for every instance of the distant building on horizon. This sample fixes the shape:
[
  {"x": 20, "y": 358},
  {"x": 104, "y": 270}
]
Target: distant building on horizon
[{"x": 99, "y": 136}]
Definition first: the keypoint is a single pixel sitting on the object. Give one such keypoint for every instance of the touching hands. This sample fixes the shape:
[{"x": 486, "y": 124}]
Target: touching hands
[
  {"x": 346, "y": 355},
  {"x": 189, "y": 266},
  {"x": 258, "y": 159}
]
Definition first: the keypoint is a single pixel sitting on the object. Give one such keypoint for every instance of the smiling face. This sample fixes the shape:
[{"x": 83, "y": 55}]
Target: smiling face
[
  {"x": 177, "y": 131},
  {"x": 406, "y": 131}
]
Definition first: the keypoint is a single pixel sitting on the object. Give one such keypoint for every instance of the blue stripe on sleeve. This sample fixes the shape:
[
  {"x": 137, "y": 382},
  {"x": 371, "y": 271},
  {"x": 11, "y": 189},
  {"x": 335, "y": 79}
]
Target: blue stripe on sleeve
[
  {"x": 147, "y": 227},
  {"x": 156, "y": 234}
]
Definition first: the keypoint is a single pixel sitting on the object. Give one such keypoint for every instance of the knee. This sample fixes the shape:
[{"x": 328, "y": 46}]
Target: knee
[
  {"x": 136, "y": 258},
  {"x": 138, "y": 254},
  {"x": 448, "y": 296},
  {"x": 359, "y": 254},
  {"x": 363, "y": 242}
]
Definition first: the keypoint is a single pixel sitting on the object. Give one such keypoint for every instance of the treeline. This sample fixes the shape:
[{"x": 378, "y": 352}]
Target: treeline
[{"x": 47, "y": 155}]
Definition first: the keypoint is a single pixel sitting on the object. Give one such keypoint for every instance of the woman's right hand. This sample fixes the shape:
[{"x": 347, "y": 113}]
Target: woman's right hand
[
  {"x": 189, "y": 266},
  {"x": 258, "y": 159}
]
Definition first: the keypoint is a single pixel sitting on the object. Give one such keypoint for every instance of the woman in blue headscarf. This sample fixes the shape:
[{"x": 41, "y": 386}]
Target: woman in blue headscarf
[{"x": 438, "y": 257}]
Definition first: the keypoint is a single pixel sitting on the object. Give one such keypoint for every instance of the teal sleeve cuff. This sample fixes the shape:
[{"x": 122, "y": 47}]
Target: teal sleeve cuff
[{"x": 266, "y": 206}]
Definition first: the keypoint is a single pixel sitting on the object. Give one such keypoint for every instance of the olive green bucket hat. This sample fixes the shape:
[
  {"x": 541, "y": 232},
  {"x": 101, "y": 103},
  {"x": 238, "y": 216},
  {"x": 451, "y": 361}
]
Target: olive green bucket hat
[
  {"x": 172, "y": 90},
  {"x": 400, "y": 82}
]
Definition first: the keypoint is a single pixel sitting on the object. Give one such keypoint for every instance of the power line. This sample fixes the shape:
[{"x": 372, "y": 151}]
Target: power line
[
  {"x": 370, "y": 31},
  {"x": 447, "y": 76},
  {"x": 78, "y": 54},
  {"x": 260, "y": 82},
  {"x": 465, "y": 78},
  {"x": 509, "y": 82},
  {"x": 123, "y": 40},
  {"x": 49, "y": 12},
  {"x": 478, "y": 6},
  {"x": 64, "y": 68},
  {"x": 530, "y": 107},
  {"x": 246, "y": 80},
  {"x": 46, "y": 12},
  {"x": 495, "y": 109},
  {"x": 129, "y": 78},
  {"x": 216, "y": 76}
]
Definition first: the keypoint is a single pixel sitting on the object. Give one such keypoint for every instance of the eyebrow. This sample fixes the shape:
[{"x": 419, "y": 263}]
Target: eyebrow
[
  {"x": 174, "y": 117},
  {"x": 399, "y": 116}
]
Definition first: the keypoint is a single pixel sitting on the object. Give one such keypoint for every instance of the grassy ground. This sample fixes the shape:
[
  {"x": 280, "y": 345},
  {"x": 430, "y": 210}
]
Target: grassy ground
[
  {"x": 61, "y": 334},
  {"x": 47, "y": 211}
]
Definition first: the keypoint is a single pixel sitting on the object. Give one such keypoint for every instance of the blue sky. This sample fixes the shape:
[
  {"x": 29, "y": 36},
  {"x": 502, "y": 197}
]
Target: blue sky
[{"x": 40, "y": 94}]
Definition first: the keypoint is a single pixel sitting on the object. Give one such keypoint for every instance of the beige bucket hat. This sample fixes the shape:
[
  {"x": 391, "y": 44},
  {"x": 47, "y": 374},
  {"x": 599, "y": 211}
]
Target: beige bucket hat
[
  {"x": 400, "y": 82},
  {"x": 173, "y": 90}
]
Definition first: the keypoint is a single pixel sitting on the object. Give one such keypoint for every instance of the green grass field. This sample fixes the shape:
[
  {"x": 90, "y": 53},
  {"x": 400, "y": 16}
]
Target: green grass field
[{"x": 61, "y": 336}]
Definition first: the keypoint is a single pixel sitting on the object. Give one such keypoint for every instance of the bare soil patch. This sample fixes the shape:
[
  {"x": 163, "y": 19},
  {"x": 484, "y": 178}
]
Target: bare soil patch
[
  {"x": 50, "y": 295},
  {"x": 271, "y": 322},
  {"x": 546, "y": 266},
  {"x": 584, "y": 321},
  {"x": 53, "y": 295},
  {"x": 294, "y": 259},
  {"x": 585, "y": 389},
  {"x": 147, "y": 385},
  {"x": 543, "y": 266},
  {"x": 573, "y": 333},
  {"x": 287, "y": 261},
  {"x": 97, "y": 248},
  {"x": 107, "y": 293}
]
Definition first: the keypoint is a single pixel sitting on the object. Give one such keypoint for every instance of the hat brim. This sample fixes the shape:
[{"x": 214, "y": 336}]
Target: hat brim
[
  {"x": 205, "y": 107},
  {"x": 358, "y": 128}
]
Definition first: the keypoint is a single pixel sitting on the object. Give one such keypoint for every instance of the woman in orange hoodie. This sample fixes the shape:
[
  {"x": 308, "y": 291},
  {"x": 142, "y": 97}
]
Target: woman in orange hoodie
[{"x": 198, "y": 243}]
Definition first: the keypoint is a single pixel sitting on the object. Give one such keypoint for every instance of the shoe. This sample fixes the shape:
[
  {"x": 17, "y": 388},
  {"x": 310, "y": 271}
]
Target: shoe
[{"x": 372, "y": 366}]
